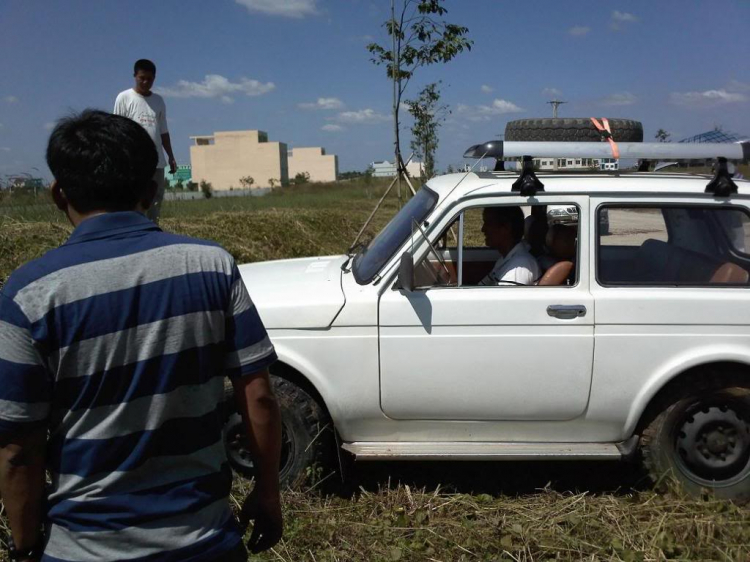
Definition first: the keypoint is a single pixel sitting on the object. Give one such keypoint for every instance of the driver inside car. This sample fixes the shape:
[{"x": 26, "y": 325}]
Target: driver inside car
[{"x": 503, "y": 230}]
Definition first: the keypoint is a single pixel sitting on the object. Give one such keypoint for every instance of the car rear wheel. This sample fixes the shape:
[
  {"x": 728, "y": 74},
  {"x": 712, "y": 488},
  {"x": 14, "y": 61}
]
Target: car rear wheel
[
  {"x": 307, "y": 440},
  {"x": 571, "y": 130},
  {"x": 701, "y": 441}
]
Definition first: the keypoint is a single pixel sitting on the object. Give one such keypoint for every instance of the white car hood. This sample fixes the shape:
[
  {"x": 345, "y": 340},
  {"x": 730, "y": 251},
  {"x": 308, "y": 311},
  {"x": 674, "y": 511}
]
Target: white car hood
[{"x": 298, "y": 293}]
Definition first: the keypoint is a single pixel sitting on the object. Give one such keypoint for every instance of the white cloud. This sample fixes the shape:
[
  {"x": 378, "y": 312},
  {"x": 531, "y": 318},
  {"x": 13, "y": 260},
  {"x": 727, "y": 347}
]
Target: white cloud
[
  {"x": 551, "y": 93},
  {"x": 5, "y": 148},
  {"x": 707, "y": 98},
  {"x": 10, "y": 99},
  {"x": 49, "y": 126},
  {"x": 323, "y": 103},
  {"x": 621, "y": 18},
  {"x": 216, "y": 86},
  {"x": 619, "y": 99},
  {"x": 362, "y": 117},
  {"x": 285, "y": 8},
  {"x": 331, "y": 128},
  {"x": 487, "y": 89},
  {"x": 579, "y": 30},
  {"x": 487, "y": 112}
]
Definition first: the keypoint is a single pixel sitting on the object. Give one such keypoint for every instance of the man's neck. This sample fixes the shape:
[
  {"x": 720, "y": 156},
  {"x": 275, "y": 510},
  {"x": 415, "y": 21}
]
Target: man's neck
[
  {"x": 505, "y": 250},
  {"x": 144, "y": 94}
]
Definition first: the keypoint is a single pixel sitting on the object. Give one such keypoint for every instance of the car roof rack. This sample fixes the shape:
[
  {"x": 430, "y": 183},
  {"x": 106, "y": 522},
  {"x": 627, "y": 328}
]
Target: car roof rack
[
  {"x": 635, "y": 150},
  {"x": 527, "y": 183},
  {"x": 721, "y": 185}
]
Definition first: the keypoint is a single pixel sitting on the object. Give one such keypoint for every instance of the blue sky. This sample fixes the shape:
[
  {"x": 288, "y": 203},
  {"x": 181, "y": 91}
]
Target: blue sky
[{"x": 299, "y": 70}]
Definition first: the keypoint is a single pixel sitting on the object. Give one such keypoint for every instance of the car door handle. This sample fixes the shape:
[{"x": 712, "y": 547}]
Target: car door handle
[{"x": 566, "y": 311}]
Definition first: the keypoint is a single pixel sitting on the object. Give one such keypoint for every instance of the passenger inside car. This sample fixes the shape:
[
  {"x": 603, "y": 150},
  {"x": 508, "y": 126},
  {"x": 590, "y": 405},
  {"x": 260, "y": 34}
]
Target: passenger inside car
[
  {"x": 561, "y": 241},
  {"x": 503, "y": 230}
]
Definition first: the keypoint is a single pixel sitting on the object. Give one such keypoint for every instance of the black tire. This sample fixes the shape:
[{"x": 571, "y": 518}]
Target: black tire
[
  {"x": 701, "y": 442},
  {"x": 571, "y": 130},
  {"x": 307, "y": 437}
]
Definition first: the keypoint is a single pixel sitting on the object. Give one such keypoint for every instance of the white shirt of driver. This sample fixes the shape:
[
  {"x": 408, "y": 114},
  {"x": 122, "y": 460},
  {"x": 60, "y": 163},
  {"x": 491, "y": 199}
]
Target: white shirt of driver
[
  {"x": 519, "y": 266},
  {"x": 150, "y": 112}
]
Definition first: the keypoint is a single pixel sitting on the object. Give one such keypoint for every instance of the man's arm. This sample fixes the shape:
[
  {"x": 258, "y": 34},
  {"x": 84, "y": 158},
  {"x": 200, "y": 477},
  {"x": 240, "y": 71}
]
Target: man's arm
[
  {"x": 166, "y": 142},
  {"x": 260, "y": 411},
  {"x": 22, "y": 484}
]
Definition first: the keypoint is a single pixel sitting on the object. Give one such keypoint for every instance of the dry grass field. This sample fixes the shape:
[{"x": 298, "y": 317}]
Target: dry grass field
[{"x": 424, "y": 511}]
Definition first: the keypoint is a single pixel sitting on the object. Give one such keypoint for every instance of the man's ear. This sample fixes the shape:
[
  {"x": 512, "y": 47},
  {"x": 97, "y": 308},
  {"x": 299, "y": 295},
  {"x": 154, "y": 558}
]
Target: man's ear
[
  {"x": 148, "y": 197},
  {"x": 61, "y": 202}
]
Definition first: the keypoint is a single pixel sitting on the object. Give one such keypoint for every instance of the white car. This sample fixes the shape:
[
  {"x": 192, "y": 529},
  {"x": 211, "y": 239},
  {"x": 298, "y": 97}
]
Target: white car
[{"x": 642, "y": 348}]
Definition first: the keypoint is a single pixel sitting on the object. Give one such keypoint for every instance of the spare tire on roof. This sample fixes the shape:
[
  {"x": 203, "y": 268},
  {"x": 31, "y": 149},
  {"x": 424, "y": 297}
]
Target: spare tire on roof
[{"x": 573, "y": 129}]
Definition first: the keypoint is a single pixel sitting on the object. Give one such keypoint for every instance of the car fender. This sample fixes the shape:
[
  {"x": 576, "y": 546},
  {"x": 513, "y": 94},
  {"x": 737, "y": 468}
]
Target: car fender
[
  {"x": 690, "y": 359},
  {"x": 310, "y": 372}
]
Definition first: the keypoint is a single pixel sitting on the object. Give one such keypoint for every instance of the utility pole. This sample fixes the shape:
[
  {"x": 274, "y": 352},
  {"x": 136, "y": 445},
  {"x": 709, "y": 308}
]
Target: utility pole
[{"x": 555, "y": 104}]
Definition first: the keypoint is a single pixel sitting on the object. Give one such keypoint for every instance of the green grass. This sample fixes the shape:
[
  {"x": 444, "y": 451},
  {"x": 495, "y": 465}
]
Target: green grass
[{"x": 423, "y": 511}]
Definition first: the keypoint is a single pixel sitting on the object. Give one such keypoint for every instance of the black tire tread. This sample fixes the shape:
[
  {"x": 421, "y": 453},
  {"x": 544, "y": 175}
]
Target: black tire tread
[
  {"x": 571, "y": 129},
  {"x": 315, "y": 418}
]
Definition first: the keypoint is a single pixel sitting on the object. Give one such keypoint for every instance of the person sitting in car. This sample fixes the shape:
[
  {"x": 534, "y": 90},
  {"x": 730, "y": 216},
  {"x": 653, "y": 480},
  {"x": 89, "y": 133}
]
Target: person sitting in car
[
  {"x": 561, "y": 241},
  {"x": 503, "y": 230}
]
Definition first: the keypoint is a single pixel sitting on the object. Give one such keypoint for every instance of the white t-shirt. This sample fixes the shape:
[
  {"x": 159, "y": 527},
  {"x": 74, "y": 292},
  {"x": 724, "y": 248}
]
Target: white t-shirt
[
  {"x": 518, "y": 266},
  {"x": 148, "y": 111}
]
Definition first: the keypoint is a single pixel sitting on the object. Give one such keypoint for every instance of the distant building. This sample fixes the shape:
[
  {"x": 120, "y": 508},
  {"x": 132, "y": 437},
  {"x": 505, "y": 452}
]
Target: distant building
[
  {"x": 321, "y": 166},
  {"x": 183, "y": 174},
  {"x": 576, "y": 164},
  {"x": 225, "y": 157},
  {"x": 24, "y": 181},
  {"x": 384, "y": 169}
]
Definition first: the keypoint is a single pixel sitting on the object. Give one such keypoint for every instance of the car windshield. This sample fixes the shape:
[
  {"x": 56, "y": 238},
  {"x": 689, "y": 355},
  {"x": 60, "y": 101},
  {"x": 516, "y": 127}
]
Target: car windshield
[{"x": 369, "y": 261}]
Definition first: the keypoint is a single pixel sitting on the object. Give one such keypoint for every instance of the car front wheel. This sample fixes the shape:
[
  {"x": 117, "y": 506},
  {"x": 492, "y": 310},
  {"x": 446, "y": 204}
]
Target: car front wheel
[
  {"x": 702, "y": 442},
  {"x": 307, "y": 440}
]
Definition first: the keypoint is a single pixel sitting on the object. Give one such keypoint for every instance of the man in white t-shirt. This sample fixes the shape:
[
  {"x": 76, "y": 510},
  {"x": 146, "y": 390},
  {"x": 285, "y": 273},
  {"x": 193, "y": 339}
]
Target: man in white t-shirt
[
  {"x": 148, "y": 109},
  {"x": 503, "y": 230}
]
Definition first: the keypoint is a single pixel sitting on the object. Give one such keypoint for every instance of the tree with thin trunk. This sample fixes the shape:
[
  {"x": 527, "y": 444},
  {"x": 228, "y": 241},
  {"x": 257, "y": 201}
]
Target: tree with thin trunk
[
  {"x": 428, "y": 115},
  {"x": 662, "y": 135},
  {"x": 419, "y": 37}
]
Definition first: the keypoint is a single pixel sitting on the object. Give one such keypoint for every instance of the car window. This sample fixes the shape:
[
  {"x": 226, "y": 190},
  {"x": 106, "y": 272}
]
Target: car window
[
  {"x": 479, "y": 262},
  {"x": 632, "y": 226},
  {"x": 674, "y": 245}
]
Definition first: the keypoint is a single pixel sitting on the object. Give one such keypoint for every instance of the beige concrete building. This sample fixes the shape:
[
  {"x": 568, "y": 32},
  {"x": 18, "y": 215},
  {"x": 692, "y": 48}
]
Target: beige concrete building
[
  {"x": 226, "y": 156},
  {"x": 314, "y": 161}
]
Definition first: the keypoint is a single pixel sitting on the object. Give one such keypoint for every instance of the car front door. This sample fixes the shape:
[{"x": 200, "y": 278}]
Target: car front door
[{"x": 489, "y": 353}]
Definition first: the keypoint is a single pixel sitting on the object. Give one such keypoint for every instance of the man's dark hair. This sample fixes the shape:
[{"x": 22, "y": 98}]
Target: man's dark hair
[
  {"x": 144, "y": 64},
  {"x": 101, "y": 161},
  {"x": 511, "y": 215}
]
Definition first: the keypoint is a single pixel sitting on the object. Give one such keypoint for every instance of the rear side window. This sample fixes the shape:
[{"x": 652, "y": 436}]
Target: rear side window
[{"x": 673, "y": 246}]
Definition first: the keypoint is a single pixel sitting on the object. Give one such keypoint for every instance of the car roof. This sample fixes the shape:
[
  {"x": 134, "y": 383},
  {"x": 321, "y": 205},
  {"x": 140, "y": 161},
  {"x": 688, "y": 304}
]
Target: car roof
[{"x": 458, "y": 186}]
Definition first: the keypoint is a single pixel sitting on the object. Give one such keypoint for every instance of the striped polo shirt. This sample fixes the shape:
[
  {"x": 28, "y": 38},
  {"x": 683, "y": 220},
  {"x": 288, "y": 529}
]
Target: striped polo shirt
[{"x": 119, "y": 342}]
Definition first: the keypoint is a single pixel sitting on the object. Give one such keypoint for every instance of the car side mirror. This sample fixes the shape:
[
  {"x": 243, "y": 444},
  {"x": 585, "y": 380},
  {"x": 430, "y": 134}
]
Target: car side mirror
[{"x": 406, "y": 273}]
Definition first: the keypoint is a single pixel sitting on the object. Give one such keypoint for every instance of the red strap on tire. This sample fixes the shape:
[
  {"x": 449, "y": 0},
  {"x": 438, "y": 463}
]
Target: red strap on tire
[{"x": 604, "y": 129}]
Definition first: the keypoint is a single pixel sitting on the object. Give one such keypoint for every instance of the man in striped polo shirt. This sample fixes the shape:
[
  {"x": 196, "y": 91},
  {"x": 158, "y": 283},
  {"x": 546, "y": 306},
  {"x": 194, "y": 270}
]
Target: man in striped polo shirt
[{"x": 113, "y": 353}]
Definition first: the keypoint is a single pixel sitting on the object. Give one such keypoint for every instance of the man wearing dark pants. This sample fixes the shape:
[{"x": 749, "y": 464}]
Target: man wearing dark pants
[
  {"x": 148, "y": 109},
  {"x": 113, "y": 353}
]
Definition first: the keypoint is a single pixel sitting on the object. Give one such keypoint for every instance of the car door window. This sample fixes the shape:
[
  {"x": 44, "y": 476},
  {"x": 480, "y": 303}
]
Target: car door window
[
  {"x": 470, "y": 250},
  {"x": 689, "y": 245}
]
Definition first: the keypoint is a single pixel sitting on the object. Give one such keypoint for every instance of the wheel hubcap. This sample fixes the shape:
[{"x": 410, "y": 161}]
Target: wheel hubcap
[
  {"x": 239, "y": 455},
  {"x": 714, "y": 443}
]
